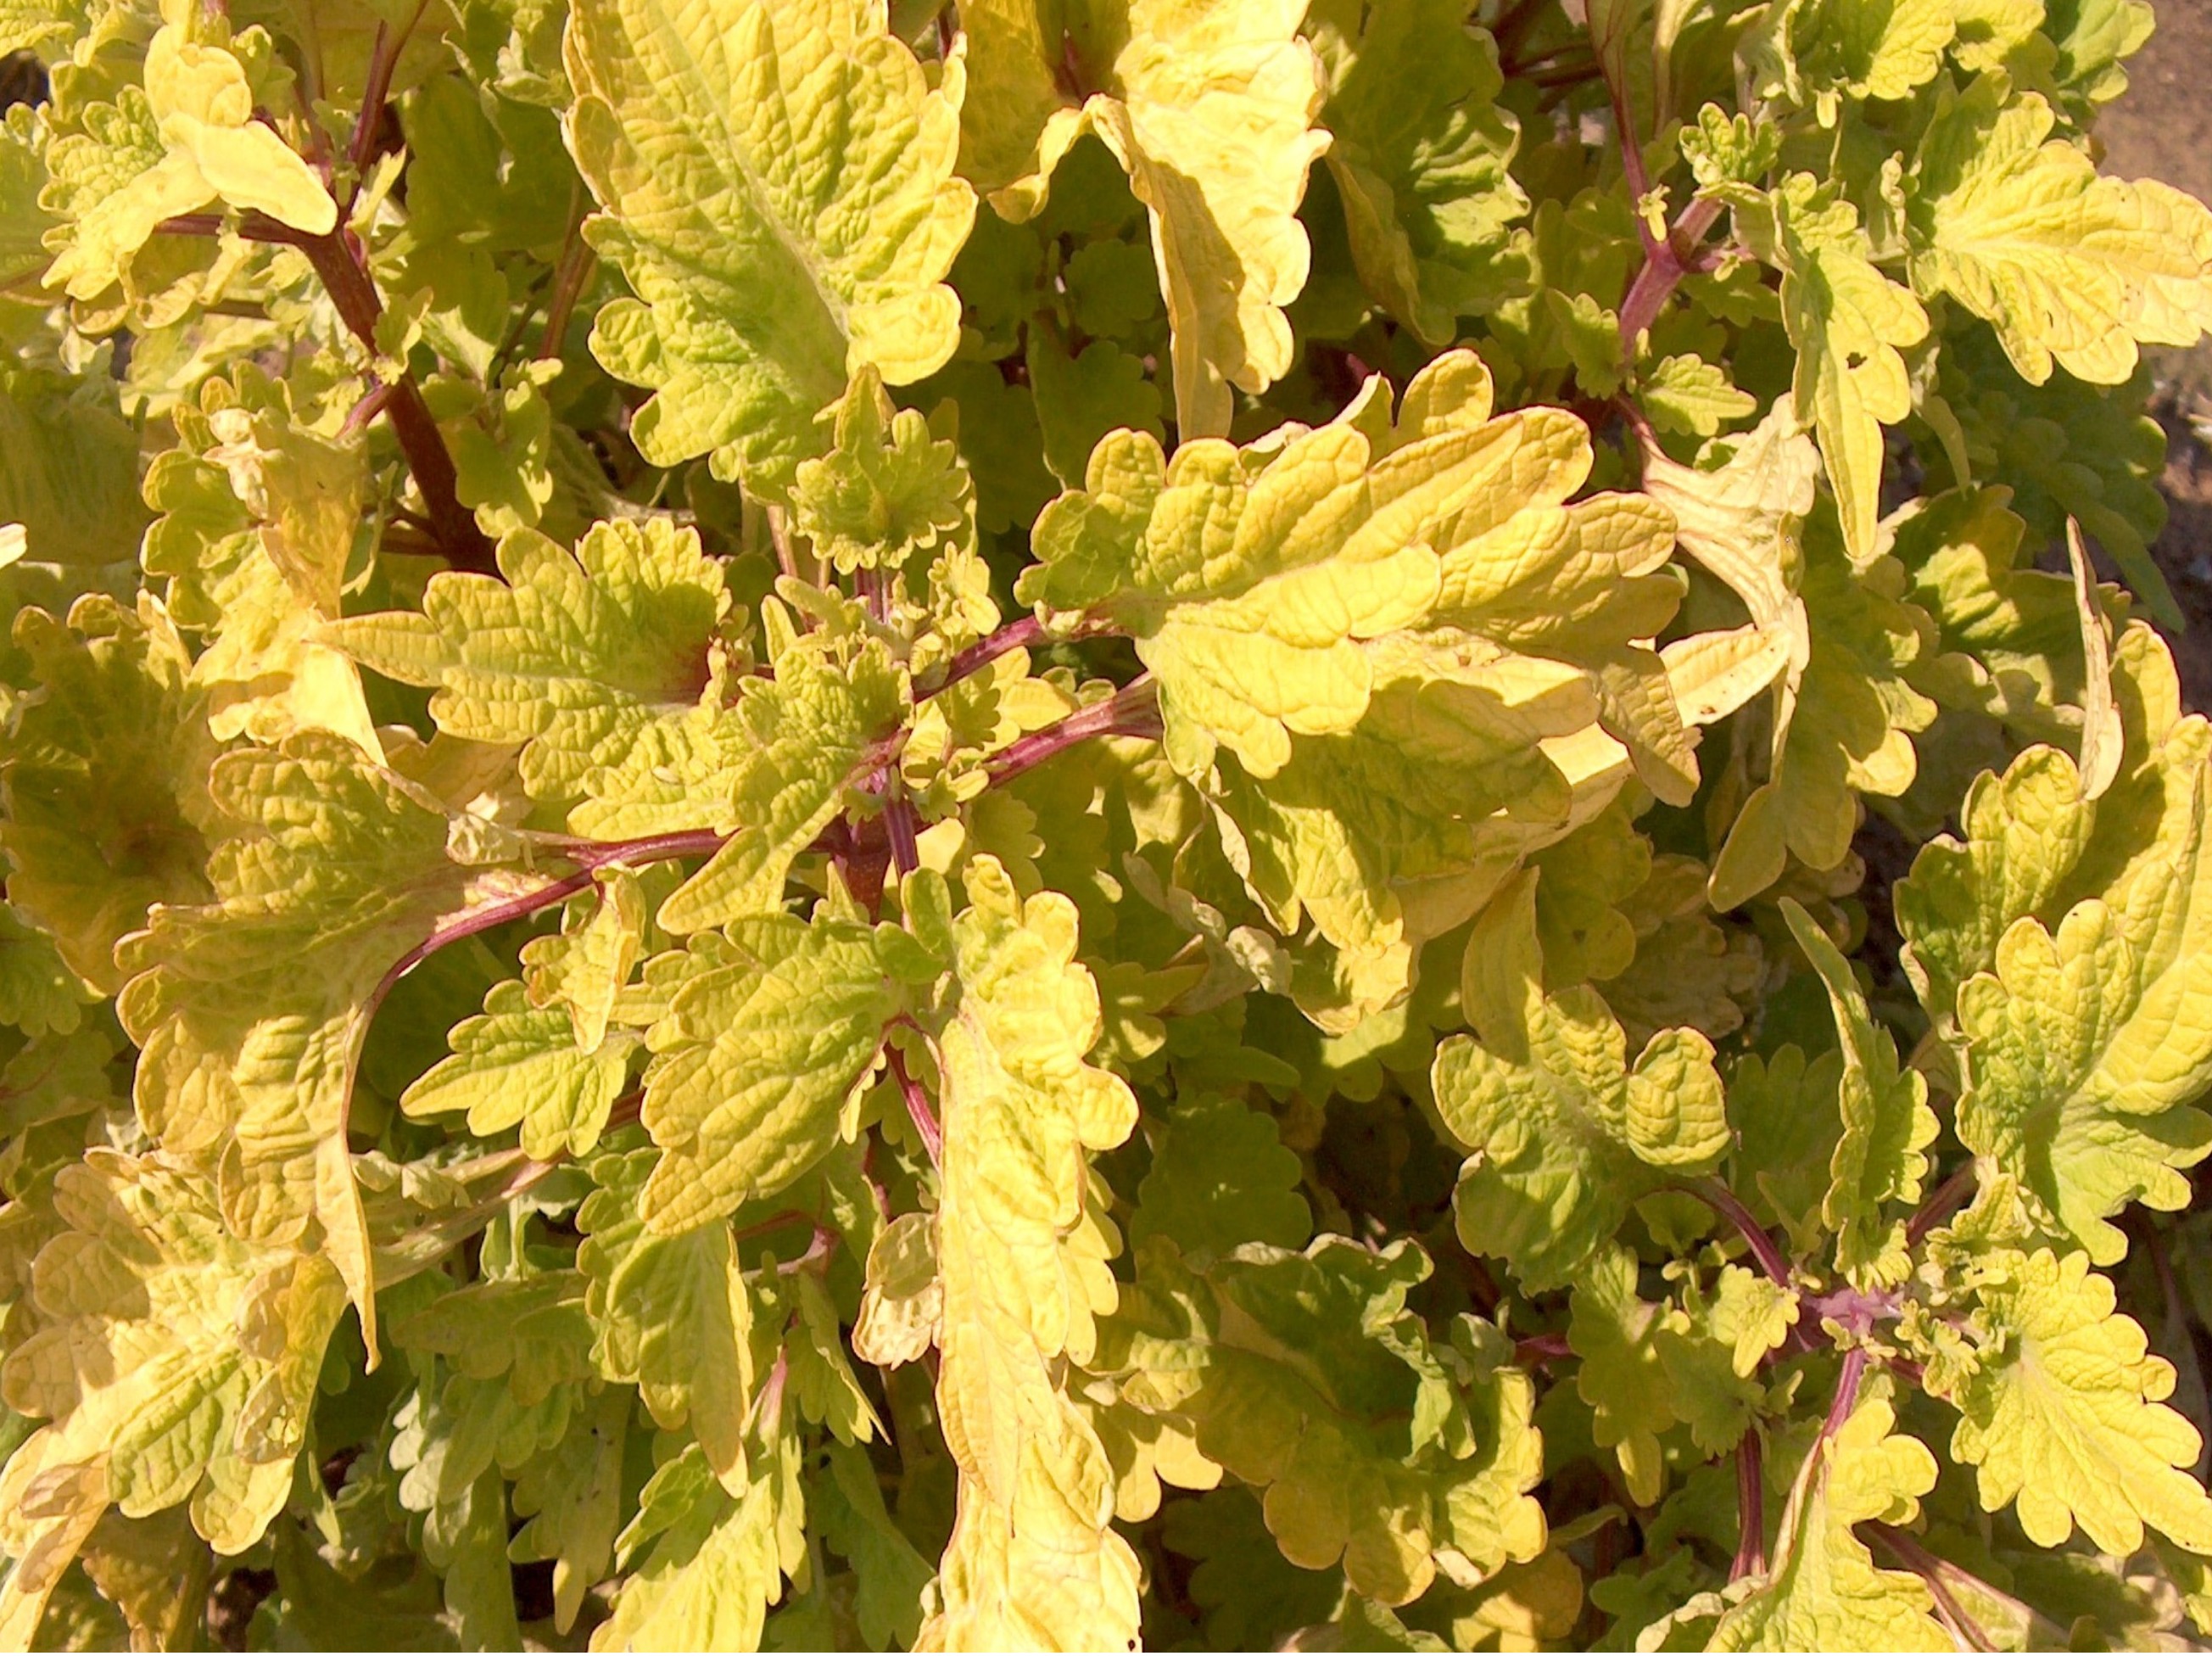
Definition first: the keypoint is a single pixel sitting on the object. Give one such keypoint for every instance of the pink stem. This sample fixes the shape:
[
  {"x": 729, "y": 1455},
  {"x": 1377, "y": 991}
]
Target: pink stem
[
  {"x": 1941, "y": 1203},
  {"x": 1015, "y": 635},
  {"x": 1750, "y": 1507},
  {"x": 917, "y": 1107},
  {"x": 1133, "y": 711},
  {"x": 1668, "y": 263},
  {"x": 1723, "y": 1201}
]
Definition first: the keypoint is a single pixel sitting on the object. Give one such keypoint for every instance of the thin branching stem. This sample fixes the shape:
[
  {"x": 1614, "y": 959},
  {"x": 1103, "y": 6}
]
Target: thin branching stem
[{"x": 1723, "y": 1201}]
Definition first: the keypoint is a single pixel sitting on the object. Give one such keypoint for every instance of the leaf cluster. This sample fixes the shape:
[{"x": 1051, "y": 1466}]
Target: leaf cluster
[{"x": 1060, "y": 824}]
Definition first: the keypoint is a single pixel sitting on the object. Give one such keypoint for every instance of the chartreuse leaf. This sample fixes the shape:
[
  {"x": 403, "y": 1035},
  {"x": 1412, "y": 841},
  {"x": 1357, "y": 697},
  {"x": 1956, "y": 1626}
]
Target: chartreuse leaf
[
  {"x": 769, "y": 264},
  {"x": 759, "y": 1064},
  {"x": 571, "y": 1498},
  {"x": 1850, "y": 326},
  {"x": 256, "y": 538},
  {"x": 72, "y": 476},
  {"x": 770, "y": 773},
  {"x": 1420, "y": 152},
  {"x": 2069, "y": 938},
  {"x": 1034, "y": 1561},
  {"x": 706, "y": 1560},
  {"x": 2070, "y": 268},
  {"x": 1824, "y": 1590},
  {"x": 2063, "y": 1410},
  {"x": 670, "y": 1315},
  {"x": 173, "y": 1359},
  {"x": 1250, "y": 578},
  {"x": 1881, "y": 1159},
  {"x": 1617, "y": 1334},
  {"x": 102, "y": 776},
  {"x": 250, "y": 1007},
  {"x": 572, "y": 654},
  {"x": 1359, "y": 767},
  {"x": 1211, "y": 111},
  {"x": 187, "y": 140},
  {"x": 1743, "y": 518},
  {"x": 1305, "y": 1373},
  {"x": 1843, "y": 727},
  {"x": 521, "y": 1064},
  {"x": 888, "y": 489},
  {"x": 1565, "y": 1134}
]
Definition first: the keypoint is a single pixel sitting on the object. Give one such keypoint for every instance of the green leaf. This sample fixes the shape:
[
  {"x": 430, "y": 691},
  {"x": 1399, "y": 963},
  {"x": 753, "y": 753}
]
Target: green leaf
[
  {"x": 769, "y": 266},
  {"x": 519, "y": 1064},
  {"x": 1306, "y": 1374},
  {"x": 572, "y": 653},
  {"x": 770, "y": 773},
  {"x": 849, "y": 1506},
  {"x": 759, "y": 1065},
  {"x": 72, "y": 476},
  {"x": 2062, "y": 1409},
  {"x": 1033, "y": 1559},
  {"x": 1850, "y": 326},
  {"x": 1843, "y": 727},
  {"x": 250, "y": 1007},
  {"x": 670, "y": 1315},
  {"x": 107, "y": 815},
  {"x": 887, "y": 491},
  {"x": 1566, "y": 1135},
  {"x": 716, "y": 1560},
  {"x": 150, "y": 1396},
  {"x": 2066, "y": 934},
  {"x": 1880, "y": 1158},
  {"x": 570, "y": 1501},
  {"x": 1824, "y": 1590},
  {"x": 1617, "y": 1334},
  {"x": 1220, "y": 1177},
  {"x": 2070, "y": 268},
  {"x": 1211, "y": 112},
  {"x": 1421, "y": 153}
]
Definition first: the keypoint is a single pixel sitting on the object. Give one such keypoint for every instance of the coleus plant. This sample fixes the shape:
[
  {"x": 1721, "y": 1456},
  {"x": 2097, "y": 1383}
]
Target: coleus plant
[{"x": 1020, "y": 824}]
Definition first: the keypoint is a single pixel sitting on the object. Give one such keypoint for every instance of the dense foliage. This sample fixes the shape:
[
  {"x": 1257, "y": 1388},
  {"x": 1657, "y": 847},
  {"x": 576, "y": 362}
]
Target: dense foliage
[{"x": 1037, "y": 823}]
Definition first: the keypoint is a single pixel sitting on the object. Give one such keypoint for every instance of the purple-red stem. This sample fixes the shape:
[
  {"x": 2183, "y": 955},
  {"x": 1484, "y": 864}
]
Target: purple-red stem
[
  {"x": 1941, "y": 1203},
  {"x": 567, "y": 283},
  {"x": 1133, "y": 710},
  {"x": 346, "y": 279},
  {"x": 1750, "y": 1507},
  {"x": 1015, "y": 635},
  {"x": 337, "y": 261},
  {"x": 1939, "y": 1573},
  {"x": 383, "y": 59},
  {"x": 917, "y": 1107},
  {"x": 901, "y": 828},
  {"x": 1723, "y": 1201},
  {"x": 1664, "y": 267},
  {"x": 1541, "y": 1349},
  {"x": 589, "y": 859},
  {"x": 1847, "y": 1395}
]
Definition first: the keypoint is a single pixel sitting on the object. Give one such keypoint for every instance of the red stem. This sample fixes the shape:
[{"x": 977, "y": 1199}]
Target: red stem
[
  {"x": 1131, "y": 711},
  {"x": 1015, "y": 635},
  {"x": 1539, "y": 1348},
  {"x": 1939, "y": 1573},
  {"x": 917, "y": 1107},
  {"x": 1723, "y": 1201},
  {"x": 1750, "y": 1507},
  {"x": 1941, "y": 1203},
  {"x": 1847, "y": 1395},
  {"x": 346, "y": 280},
  {"x": 382, "y": 60},
  {"x": 1668, "y": 263}
]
